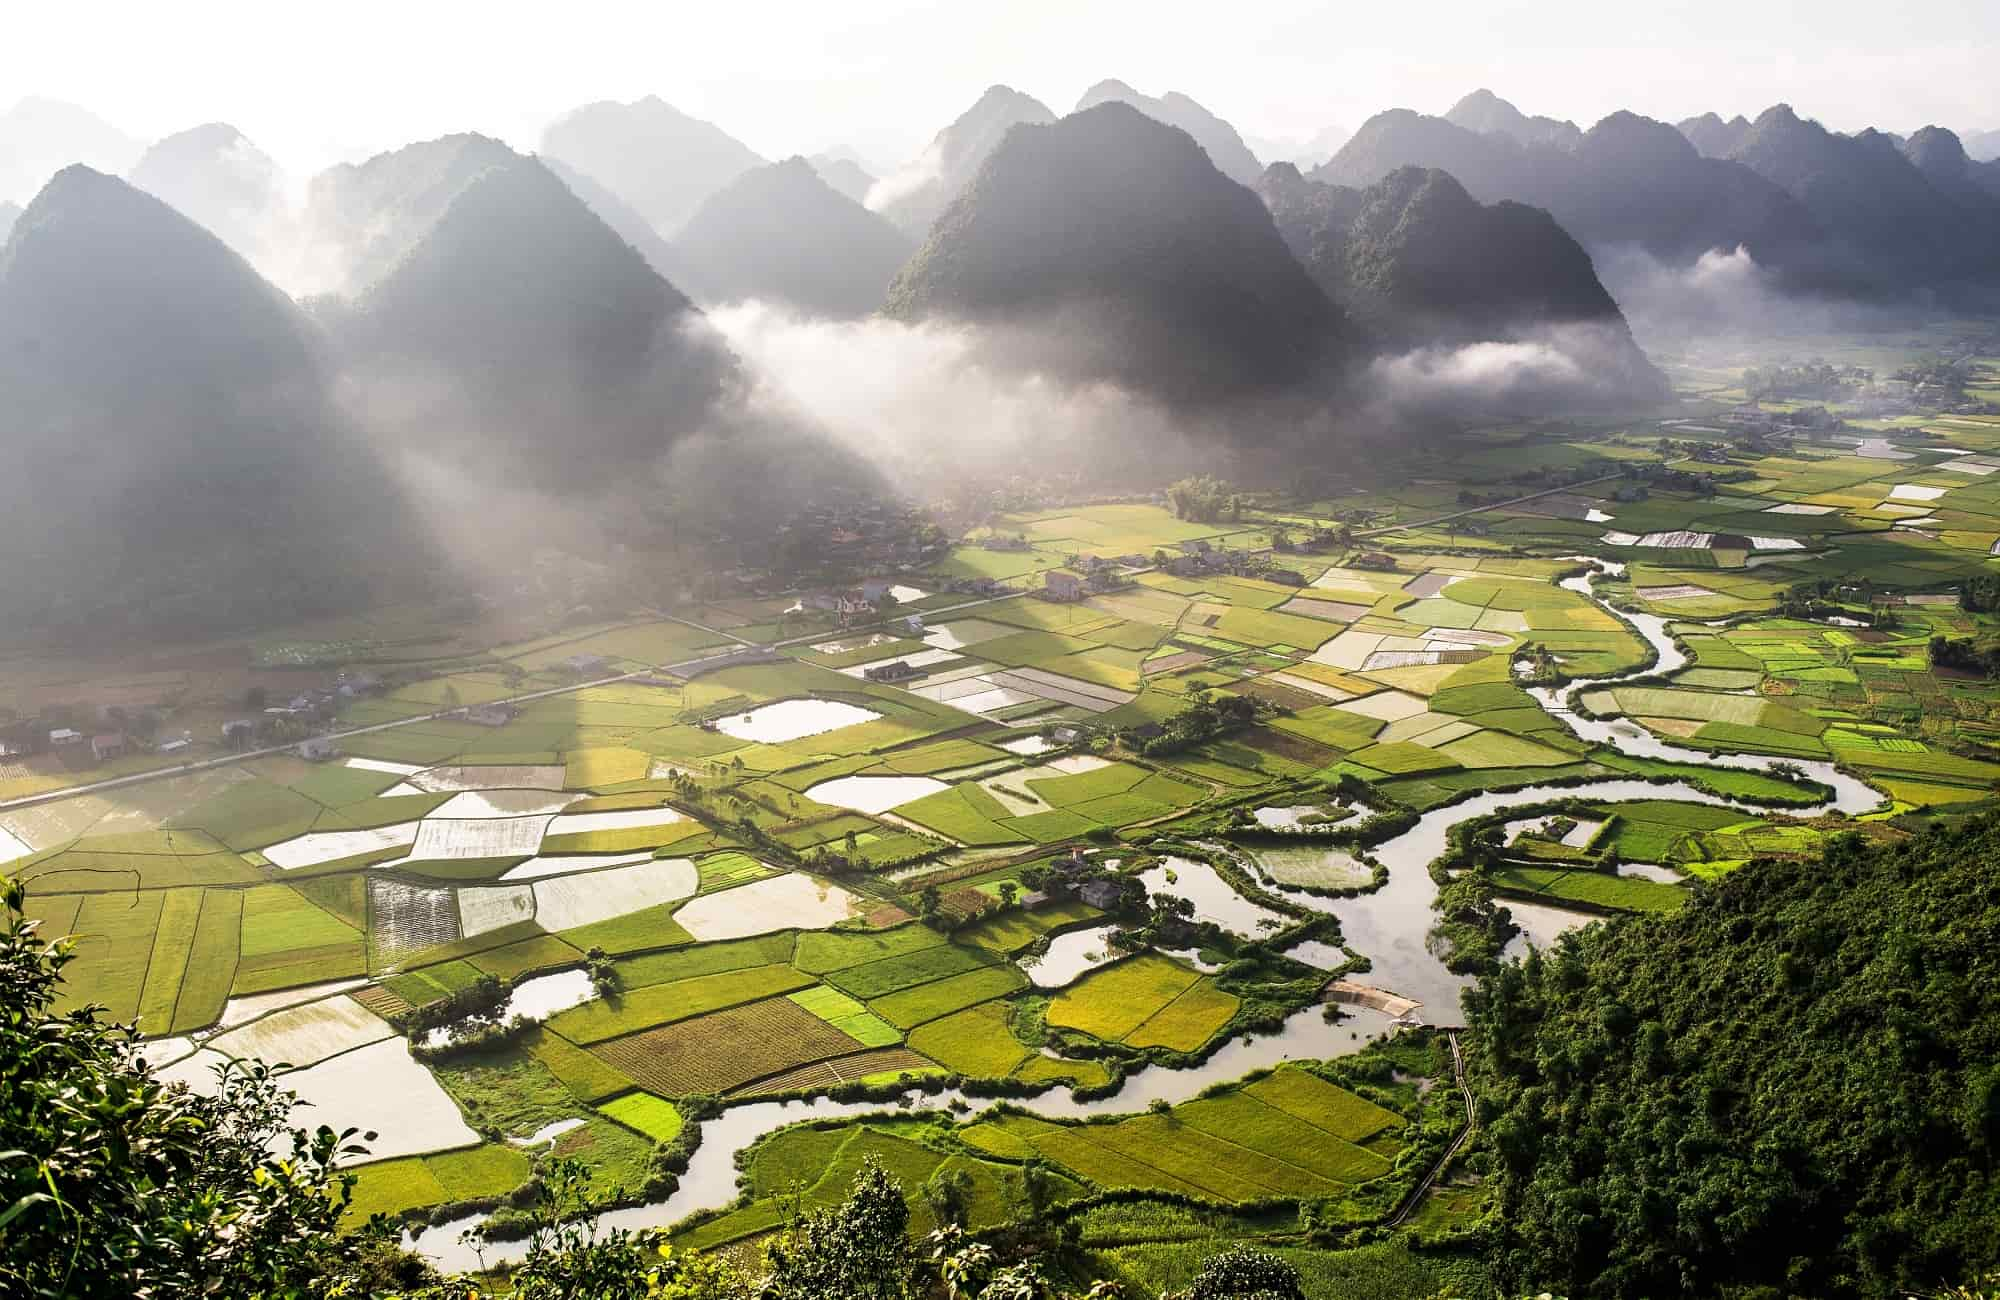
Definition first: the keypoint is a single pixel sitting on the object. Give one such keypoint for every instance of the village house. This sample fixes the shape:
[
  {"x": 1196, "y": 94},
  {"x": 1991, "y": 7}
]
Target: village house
[
  {"x": 62, "y": 736},
  {"x": 108, "y": 745},
  {"x": 1374, "y": 560},
  {"x": 318, "y": 749},
  {"x": 491, "y": 715},
  {"x": 898, "y": 670},
  {"x": 354, "y": 685},
  {"x": 179, "y": 745},
  {"x": 238, "y": 731},
  {"x": 585, "y": 664},
  {"x": 1101, "y": 894},
  {"x": 1062, "y": 585}
]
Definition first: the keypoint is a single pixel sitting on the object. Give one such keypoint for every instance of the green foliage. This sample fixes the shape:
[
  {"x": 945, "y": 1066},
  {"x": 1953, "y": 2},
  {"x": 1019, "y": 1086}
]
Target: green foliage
[
  {"x": 113, "y": 1184},
  {"x": 858, "y": 1250},
  {"x": 1829, "y": 1127}
]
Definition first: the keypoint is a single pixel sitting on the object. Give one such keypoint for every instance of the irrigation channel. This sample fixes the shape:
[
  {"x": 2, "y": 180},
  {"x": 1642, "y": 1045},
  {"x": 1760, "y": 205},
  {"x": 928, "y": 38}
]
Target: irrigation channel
[{"x": 1391, "y": 926}]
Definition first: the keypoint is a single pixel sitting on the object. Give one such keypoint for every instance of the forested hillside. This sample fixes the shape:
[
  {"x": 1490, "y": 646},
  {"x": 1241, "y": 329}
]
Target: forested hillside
[{"x": 1789, "y": 1087}]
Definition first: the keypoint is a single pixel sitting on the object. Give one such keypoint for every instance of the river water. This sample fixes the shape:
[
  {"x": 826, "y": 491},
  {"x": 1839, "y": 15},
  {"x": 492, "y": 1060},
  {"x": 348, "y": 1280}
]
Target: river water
[{"x": 1390, "y": 926}]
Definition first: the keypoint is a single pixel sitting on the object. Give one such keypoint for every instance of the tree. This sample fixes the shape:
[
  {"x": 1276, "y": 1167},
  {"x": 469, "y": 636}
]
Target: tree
[
  {"x": 1245, "y": 1274},
  {"x": 857, "y": 1250},
  {"x": 113, "y": 1183},
  {"x": 949, "y": 1195},
  {"x": 1009, "y": 891},
  {"x": 570, "y": 1256}
]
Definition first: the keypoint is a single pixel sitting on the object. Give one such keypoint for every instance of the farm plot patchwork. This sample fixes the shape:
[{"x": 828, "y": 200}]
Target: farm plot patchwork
[{"x": 723, "y": 1051}]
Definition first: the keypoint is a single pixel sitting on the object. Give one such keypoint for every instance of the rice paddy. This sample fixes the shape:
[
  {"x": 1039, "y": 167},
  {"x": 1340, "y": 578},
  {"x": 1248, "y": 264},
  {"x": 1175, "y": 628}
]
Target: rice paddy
[{"x": 802, "y": 877}]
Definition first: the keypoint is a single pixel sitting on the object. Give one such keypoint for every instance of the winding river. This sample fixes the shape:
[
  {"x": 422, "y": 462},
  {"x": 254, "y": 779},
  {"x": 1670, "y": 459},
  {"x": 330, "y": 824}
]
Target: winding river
[{"x": 1390, "y": 925}]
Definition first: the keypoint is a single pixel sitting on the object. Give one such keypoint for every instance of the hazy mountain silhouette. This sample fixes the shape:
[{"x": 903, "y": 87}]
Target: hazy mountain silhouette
[
  {"x": 1417, "y": 262},
  {"x": 1628, "y": 180},
  {"x": 1712, "y": 136},
  {"x": 915, "y": 194},
  {"x": 175, "y": 463},
  {"x": 361, "y": 219},
  {"x": 1487, "y": 113},
  {"x": 1982, "y": 146},
  {"x": 782, "y": 234},
  {"x": 213, "y": 175},
  {"x": 622, "y": 217},
  {"x": 1940, "y": 155},
  {"x": 39, "y": 137},
  {"x": 655, "y": 157},
  {"x": 844, "y": 174},
  {"x": 1304, "y": 152},
  {"x": 1120, "y": 252},
  {"x": 517, "y": 332},
  {"x": 1871, "y": 198},
  {"x": 1225, "y": 147}
]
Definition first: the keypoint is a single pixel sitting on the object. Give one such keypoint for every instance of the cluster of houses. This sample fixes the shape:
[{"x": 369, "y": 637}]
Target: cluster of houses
[
  {"x": 847, "y": 604},
  {"x": 1089, "y": 575}
]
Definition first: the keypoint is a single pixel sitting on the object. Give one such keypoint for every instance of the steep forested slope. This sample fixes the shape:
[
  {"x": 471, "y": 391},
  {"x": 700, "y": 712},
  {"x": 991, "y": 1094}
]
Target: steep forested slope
[
  {"x": 1114, "y": 240},
  {"x": 174, "y": 460},
  {"x": 1790, "y": 1087}
]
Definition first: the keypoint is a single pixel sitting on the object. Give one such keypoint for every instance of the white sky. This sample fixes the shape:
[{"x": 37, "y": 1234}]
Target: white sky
[{"x": 315, "y": 83}]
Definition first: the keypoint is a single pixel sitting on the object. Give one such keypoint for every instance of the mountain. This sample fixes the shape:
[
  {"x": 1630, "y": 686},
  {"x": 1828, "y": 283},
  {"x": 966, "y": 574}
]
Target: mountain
[
  {"x": 1982, "y": 146},
  {"x": 914, "y": 196},
  {"x": 1866, "y": 194},
  {"x": 1712, "y": 136},
  {"x": 1225, "y": 148},
  {"x": 218, "y": 179},
  {"x": 655, "y": 157},
  {"x": 1488, "y": 114},
  {"x": 363, "y": 218},
  {"x": 176, "y": 462},
  {"x": 1416, "y": 259},
  {"x": 9, "y": 214},
  {"x": 1941, "y": 157},
  {"x": 1629, "y": 180},
  {"x": 1110, "y": 247},
  {"x": 844, "y": 174},
  {"x": 623, "y": 218},
  {"x": 517, "y": 332},
  {"x": 39, "y": 137},
  {"x": 782, "y": 234},
  {"x": 1310, "y": 151}
]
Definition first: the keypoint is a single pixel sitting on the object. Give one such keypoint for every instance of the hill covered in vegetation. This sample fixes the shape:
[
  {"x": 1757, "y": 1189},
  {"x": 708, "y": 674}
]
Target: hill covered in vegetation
[
  {"x": 1789, "y": 1087},
  {"x": 175, "y": 460},
  {"x": 1115, "y": 241},
  {"x": 915, "y": 195},
  {"x": 1417, "y": 259},
  {"x": 783, "y": 234}
]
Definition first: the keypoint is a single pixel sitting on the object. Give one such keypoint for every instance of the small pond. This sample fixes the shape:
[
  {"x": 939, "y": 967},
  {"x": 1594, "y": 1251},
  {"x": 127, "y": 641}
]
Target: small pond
[
  {"x": 774, "y": 724},
  {"x": 1211, "y": 895},
  {"x": 874, "y": 794},
  {"x": 1069, "y": 956}
]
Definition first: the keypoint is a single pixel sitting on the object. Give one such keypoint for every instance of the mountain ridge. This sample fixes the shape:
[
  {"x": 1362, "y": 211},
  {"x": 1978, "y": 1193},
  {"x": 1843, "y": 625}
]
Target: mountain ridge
[
  {"x": 1119, "y": 235},
  {"x": 782, "y": 233},
  {"x": 1225, "y": 148},
  {"x": 658, "y": 159},
  {"x": 915, "y": 195}
]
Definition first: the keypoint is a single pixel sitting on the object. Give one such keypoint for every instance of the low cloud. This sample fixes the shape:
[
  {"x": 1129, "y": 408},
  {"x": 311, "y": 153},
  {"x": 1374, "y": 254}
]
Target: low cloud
[
  {"x": 937, "y": 406},
  {"x": 1549, "y": 370},
  {"x": 926, "y": 168}
]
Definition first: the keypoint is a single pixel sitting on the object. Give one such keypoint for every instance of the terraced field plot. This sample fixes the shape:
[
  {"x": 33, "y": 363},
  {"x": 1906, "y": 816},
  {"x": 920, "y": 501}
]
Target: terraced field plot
[{"x": 723, "y": 1051}]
